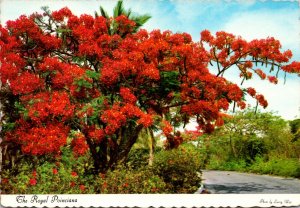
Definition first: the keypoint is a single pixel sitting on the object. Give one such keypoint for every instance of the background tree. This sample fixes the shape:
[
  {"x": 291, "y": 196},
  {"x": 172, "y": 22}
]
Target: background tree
[
  {"x": 252, "y": 141},
  {"x": 95, "y": 83},
  {"x": 247, "y": 135},
  {"x": 295, "y": 130}
]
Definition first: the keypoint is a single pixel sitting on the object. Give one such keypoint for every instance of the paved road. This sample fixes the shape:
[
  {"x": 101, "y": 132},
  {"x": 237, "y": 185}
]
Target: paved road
[{"x": 228, "y": 182}]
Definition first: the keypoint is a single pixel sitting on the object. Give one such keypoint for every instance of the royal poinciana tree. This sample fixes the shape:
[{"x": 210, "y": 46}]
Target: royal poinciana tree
[{"x": 98, "y": 82}]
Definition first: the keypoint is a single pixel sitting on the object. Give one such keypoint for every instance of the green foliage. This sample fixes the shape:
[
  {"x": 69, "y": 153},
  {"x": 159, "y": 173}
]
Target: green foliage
[
  {"x": 46, "y": 181},
  {"x": 260, "y": 143},
  {"x": 231, "y": 165},
  {"x": 52, "y": 177},
  {"x": 124, "y": 180},
  {"x": 173, "y": 171},
  {"x": 179, "y": 168},
  {"x": 92, "y": 74},
  {"x": 138, "y": 157},
  {"x": 295, "y": 129},
  {"x": 277, "y": 166}
]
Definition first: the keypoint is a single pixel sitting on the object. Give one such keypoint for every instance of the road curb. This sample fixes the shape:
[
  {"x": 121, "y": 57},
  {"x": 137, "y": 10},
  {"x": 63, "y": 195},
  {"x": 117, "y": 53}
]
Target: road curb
[{"x": 202, "y": 190}]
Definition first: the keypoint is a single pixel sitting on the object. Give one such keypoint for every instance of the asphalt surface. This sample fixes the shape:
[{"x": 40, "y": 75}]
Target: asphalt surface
[{"x": 228, "y": 182}]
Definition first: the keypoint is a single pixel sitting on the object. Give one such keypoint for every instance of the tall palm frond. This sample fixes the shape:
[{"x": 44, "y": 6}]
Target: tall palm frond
[
  {"x": 119, "y": 9},
  {"x": 103, "y": 13}
]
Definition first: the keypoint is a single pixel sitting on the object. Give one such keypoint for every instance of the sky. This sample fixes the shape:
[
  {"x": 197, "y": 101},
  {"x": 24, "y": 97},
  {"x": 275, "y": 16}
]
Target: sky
[{"x": 249, "y": 19}]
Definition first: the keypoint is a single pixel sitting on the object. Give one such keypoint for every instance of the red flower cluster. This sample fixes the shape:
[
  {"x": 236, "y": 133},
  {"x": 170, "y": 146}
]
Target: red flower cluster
[
  {"x": 74, "y": 174},
  {"x": 294, "y": 67},
  {"x": 96, "y": 134},
  {"x": 26, "y": 83},
  {"x": 166, "y": 128},
  {"x": 127, "y": 95},
  {"x": 32, "y": 181},
  {"x": 261, "y": 100},
  {"x": 260, "y": 73},
  {"x": 146, "y": 120},
  {"x": 40, "y": 140},
  {"x": 114, "y": 119},
  {"x": 46, "y": 106},
  {"x": 61, "y": 14},
  {"x": 251, "y": 91},
  {"x": 79, "y": 145},
  {"x": 54, "y": 171},
  {"x": 273, "y": 79}
]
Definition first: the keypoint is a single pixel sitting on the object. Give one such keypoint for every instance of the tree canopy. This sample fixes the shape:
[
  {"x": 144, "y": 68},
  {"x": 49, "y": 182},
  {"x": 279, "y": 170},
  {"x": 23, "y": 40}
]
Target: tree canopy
[{"x": 70, "y": 80}]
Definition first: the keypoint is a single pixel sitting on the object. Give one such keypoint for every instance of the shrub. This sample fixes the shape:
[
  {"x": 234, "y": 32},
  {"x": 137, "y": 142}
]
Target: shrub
[
  {"x": 124, "y": 180},
  {"x": 138, "y": 157},
  {"x": 230, "y": 165},
  {"x": 179, "y": 168},
  {"x": 277, "y": 166},
  {"x": 48, "y": 178},
  {"x": 65, "y": 175}
]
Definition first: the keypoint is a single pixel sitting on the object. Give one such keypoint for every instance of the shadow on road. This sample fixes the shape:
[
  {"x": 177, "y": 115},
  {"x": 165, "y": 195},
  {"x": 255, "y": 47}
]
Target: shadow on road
[{"x": 242, "y": 187}]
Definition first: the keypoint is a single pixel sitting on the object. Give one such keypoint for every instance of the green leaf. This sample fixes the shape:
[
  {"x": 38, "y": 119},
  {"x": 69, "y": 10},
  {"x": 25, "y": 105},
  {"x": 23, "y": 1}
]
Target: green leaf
[
  {"x": 93, "y": 74},
  {"x": 84, "y": 83},
  {"x": 8, "y": 126},
  {"x": 62, "y": 30}
]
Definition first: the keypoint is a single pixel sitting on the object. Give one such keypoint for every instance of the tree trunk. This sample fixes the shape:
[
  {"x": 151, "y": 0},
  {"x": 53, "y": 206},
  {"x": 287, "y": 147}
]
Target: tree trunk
[
  {"x": 151, "y": 146},
  {"x": 120, "y": 153},
  {"x": 95, "y": 155},
  {"x": 232, "y": 148}
]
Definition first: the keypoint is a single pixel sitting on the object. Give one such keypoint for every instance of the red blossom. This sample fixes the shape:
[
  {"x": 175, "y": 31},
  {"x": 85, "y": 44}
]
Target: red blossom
[
  {"x": 61, "y": 14},
  {"x": 82, "y": 187},
  {"x": 166, "y": 127},
  {"x": 72, "y": 184},
  {"x": 251, "y": 91},
  {"x": 54, "y": 171},
  {"x": 96, "y": 134},
  {"x": 32, "y": 181},
  {"x": 241, "y": 105},
  {"x": 294, "y": 67},
  {"x": 127, "y": 95},
  {"x": 41, "y": 140},
  {"x": 34, "y": 174},
  {"x": 74, "y": 174},
  {"x": 146, "y": 120},
  {"x": 273, "y": 79},
  {"x": 206, "y": 36},
  {"x": 79, "y": 145},
  {"x": 261, "y": 100},
  {"x": 124, "y": 24},
  {"x": 4, "y": 180},
  {"x": 26, "y": 83}
]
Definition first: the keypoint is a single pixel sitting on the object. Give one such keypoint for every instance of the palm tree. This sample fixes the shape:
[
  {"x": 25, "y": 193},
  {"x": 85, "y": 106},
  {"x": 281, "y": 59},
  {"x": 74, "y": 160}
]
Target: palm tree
[
  {"x": 119, "y": 9},
  {"x": 147, "y": 140}
]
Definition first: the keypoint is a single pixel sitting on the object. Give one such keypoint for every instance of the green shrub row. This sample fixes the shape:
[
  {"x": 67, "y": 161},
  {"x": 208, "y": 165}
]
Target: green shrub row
[
  {"x": 286, "y": 167},
  {"x": 173, "y": 171}
]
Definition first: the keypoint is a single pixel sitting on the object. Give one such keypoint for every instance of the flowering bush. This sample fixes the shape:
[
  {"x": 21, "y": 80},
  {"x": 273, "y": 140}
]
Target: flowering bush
[{"x": 67, "y": 174}]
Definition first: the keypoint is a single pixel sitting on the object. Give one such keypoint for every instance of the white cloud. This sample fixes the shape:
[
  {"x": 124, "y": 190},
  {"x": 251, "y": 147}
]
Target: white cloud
[
  {"x": 282, "y": 25},
  {"x": 282, "y": 98}
]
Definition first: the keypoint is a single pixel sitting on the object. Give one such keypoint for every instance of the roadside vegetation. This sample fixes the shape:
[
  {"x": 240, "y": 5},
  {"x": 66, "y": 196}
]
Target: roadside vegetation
[
  {"x": 258, "y": 142},
  {"x": 172, "y": 171}
]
